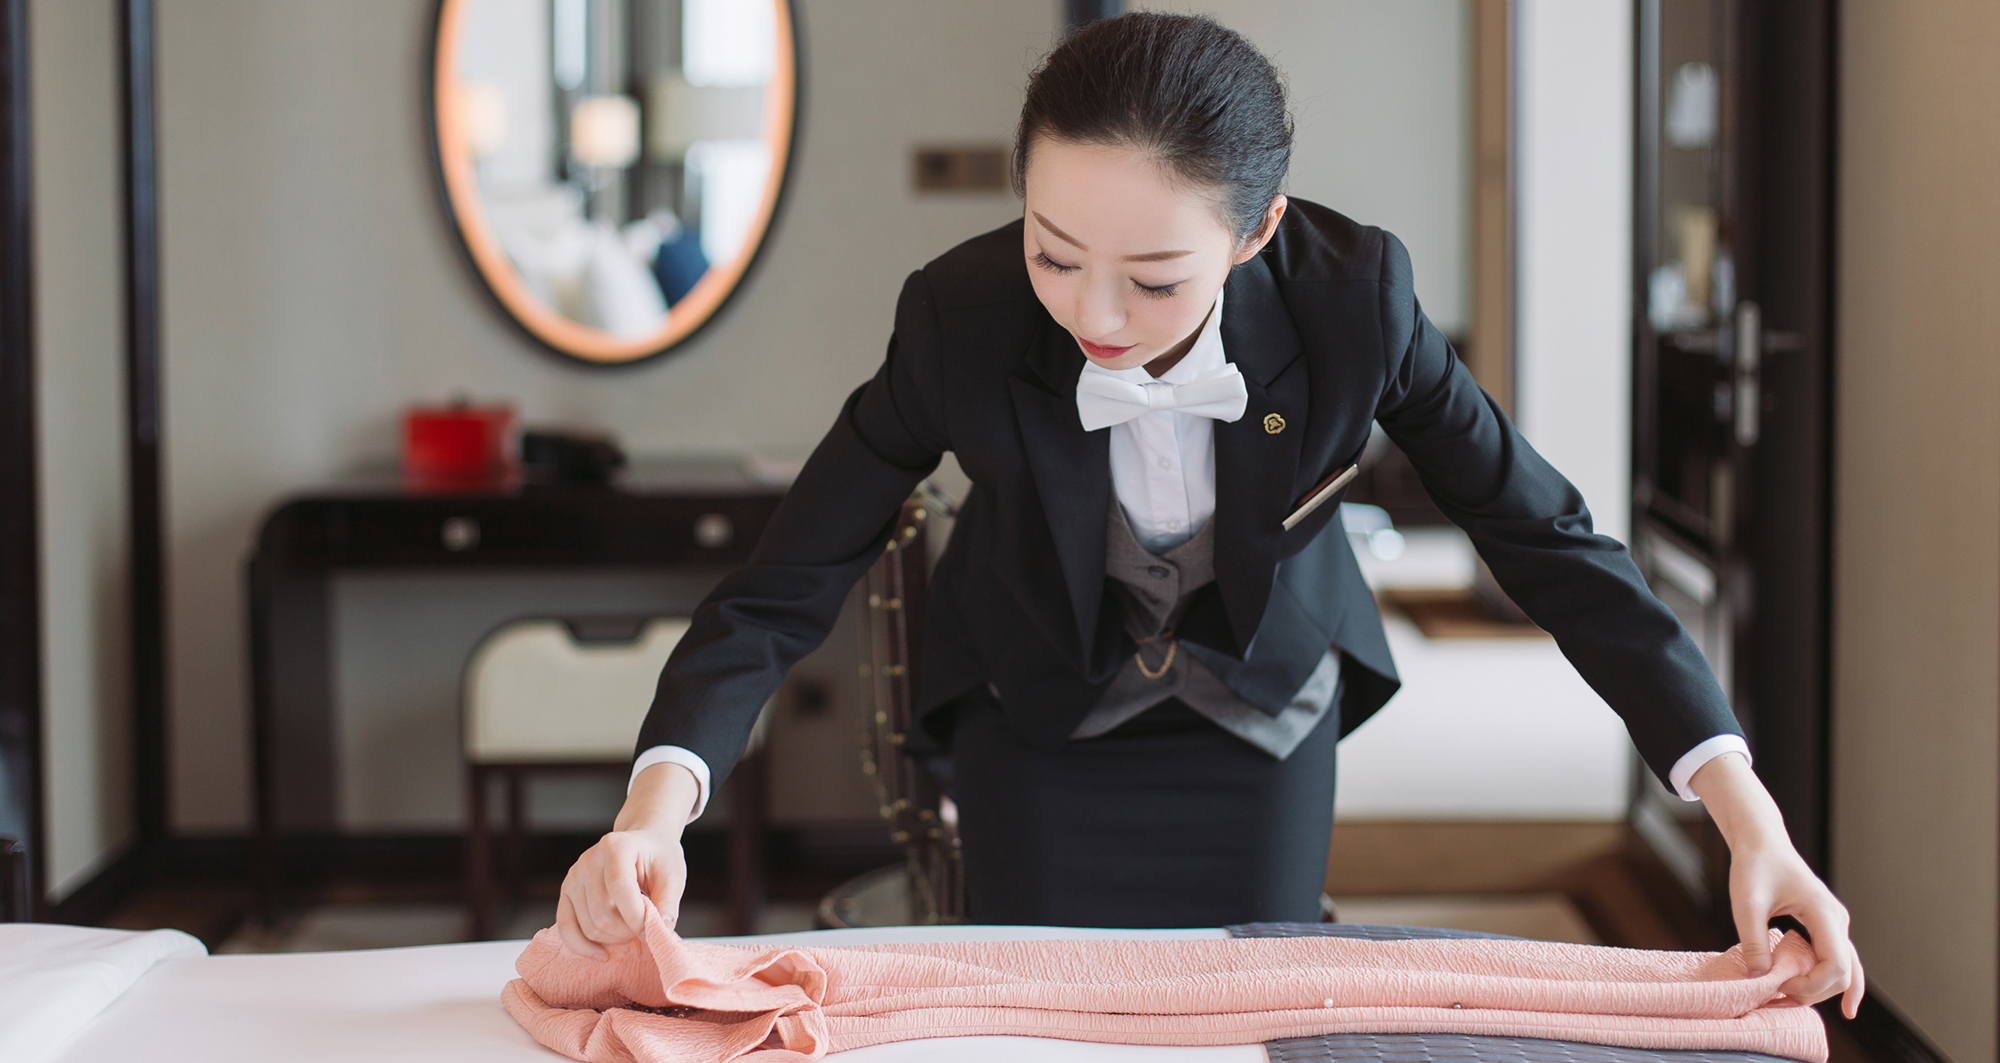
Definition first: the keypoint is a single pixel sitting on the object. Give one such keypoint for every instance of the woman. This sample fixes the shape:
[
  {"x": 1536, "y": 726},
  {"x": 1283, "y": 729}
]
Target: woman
[{"x": 1144, "y": 639}]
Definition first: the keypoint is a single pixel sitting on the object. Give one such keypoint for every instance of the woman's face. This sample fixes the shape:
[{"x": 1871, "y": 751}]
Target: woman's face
[{"x": 1123, "y": 256}]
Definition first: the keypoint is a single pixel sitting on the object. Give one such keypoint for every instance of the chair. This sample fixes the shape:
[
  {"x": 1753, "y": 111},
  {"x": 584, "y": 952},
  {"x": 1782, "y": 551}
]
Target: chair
[
  {"x": 550, "y": 695},
  {"x": 921, "y": 818}
]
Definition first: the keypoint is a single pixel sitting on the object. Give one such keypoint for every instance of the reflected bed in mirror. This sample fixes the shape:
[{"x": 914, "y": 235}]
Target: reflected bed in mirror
[{"x": 612, "y": 166}]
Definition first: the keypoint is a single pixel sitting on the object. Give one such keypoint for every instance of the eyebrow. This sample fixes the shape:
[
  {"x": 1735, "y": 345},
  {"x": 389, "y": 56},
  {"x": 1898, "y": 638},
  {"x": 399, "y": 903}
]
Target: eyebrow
[{"x": 1150, "y": 256}]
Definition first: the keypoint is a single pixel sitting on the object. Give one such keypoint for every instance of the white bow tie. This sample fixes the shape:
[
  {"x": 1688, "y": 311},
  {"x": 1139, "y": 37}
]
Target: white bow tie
[{"x": 1103, "y": 400}]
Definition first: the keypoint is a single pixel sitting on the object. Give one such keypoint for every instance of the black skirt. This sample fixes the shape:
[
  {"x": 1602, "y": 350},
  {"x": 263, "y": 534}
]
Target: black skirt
[{"x": 1167, "y": 821}]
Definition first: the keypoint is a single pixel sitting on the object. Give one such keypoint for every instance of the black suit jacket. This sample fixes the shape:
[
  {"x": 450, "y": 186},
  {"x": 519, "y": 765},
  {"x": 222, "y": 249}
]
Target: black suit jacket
[{"x": 1325, "y": 328}]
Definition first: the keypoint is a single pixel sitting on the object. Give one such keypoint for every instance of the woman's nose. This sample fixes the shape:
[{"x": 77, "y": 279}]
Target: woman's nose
[{"x": 1099, "y": 316}]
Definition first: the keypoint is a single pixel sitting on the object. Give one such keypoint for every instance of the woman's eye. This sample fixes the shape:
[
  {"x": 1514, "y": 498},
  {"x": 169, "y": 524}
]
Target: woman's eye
[
  {"x": 1164, "y": 291},
  {"x": 1043, "y": 260}
]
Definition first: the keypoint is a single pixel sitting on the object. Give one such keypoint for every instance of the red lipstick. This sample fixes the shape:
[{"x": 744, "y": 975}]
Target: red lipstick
[{"x": 1101, "y": 352}]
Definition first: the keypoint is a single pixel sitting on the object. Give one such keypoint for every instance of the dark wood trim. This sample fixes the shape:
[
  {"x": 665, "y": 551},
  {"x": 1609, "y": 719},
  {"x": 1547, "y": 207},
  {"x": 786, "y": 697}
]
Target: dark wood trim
[
  {"x": 1829, "y": 325},
  {"x": 1786, "y": 112},
  {"x": 16, "y": 898},
  {"x": 142, "y": 404},
  {"x": 1490, "y": 354},
  {"x": 20, "y": 509}
]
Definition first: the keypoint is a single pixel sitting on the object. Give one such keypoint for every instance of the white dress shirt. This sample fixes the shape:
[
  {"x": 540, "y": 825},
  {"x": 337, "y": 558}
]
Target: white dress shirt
[
  {"x": 1163, "y": 461},
  {"x": 1163, "y": 475}
]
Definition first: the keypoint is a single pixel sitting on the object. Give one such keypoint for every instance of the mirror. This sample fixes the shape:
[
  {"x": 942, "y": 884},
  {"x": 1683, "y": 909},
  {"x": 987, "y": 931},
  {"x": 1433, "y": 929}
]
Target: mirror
[{"x": 612, "y": 166}]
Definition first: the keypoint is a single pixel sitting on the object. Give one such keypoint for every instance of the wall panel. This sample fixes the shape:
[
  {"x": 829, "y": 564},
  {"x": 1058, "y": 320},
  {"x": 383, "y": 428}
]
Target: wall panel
[
  {"x": 80, "y": 347},
  {"x": 1916, "y": 694}
]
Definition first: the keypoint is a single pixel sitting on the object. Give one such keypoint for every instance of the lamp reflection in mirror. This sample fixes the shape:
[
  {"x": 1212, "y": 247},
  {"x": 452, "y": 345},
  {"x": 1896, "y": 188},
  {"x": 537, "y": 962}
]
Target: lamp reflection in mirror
[
  {"x": 483, "y": 111},
  {"x": 604, "y": 131},
  {"x": 612, "y": 226}
]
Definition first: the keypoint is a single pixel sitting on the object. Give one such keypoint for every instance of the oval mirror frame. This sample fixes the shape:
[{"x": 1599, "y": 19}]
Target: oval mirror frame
[{"x": 458, "y": 187}]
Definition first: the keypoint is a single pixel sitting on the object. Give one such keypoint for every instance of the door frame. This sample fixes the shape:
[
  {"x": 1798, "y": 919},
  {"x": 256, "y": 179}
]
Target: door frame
[
  {"x": 143, "y": 376},
  {"x": 20, "y": 474}
]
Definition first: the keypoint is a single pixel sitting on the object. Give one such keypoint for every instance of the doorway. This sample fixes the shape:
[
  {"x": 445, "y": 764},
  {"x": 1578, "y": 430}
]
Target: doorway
[{"x": 1731, "y": 388}]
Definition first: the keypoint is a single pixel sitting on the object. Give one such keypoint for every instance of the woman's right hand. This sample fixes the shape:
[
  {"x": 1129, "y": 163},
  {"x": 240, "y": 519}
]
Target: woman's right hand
[{"x": 605, "y": 893}]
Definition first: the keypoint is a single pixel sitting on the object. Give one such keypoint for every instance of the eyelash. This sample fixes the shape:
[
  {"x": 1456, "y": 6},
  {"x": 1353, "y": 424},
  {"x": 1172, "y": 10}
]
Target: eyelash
[
  {"x": 1165, "y": 291},
  {"x": 1043, "y": 260}
]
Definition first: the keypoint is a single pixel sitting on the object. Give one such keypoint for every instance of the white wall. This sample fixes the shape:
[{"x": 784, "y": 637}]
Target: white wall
[
  {"x": 80, "y": 350},
  {"x": 1916, "y": 680},
  {"x": 312, "y": 289},
  {"x": 1381, "y": 95},
  {"x": 1573, "y": 252}
]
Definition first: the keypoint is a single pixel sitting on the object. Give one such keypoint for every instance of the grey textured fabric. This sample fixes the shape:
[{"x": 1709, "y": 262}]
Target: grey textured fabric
[
  {"x": 1448, "y": 1048},
  {"x": 1363, "y": 931},
  {"x": 1154, "y": 590},
  {"x": 1459, "y": 1048}
]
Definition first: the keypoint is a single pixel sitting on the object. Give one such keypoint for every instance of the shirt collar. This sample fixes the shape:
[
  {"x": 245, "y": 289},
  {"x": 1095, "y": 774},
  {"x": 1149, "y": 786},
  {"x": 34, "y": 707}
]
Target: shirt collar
[{"x": 1205, "y": 356}]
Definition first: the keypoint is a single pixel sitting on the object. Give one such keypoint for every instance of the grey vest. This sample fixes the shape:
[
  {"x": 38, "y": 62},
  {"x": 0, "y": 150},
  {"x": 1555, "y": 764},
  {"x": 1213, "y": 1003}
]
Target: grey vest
[{"x": 1155, "y": 590}]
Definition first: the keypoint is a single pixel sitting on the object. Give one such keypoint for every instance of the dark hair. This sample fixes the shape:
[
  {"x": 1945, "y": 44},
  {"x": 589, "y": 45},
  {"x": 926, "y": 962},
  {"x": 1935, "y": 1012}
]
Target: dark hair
[{"x": 1187, "y": 89}]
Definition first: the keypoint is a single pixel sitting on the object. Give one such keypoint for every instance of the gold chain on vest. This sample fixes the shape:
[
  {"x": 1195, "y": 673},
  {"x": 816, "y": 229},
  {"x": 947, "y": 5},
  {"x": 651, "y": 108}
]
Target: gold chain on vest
[{"x": 1140, "y": 656}]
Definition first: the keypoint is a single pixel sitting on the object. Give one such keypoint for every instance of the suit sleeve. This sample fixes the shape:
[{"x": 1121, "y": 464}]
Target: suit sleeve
[
  {"x": 831, "y": 526},
  {"x": 1531, "y": 526}
]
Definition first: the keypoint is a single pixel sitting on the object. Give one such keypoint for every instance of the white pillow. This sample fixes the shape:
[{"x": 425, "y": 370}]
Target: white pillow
[
  {"x": 55, "y": 979},
  {"x": 624, "y": 298}
]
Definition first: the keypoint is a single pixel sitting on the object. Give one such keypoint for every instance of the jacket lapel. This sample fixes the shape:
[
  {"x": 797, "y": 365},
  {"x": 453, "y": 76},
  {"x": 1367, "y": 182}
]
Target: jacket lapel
[
  {"x": 1072, "y": 470},
  {"x": 1256, "y": 456}
]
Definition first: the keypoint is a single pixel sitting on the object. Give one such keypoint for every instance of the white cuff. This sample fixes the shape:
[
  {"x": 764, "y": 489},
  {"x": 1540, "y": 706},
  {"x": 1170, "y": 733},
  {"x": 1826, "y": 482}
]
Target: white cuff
[
  {"x": 1691, "y": 761},
  {"x": 686, "y": 758}
]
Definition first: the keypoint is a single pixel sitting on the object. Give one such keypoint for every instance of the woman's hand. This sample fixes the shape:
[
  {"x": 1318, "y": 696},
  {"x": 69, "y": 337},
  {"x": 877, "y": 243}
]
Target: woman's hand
[
  {"x": 604, "y": 895},
  {"x": 1768, "y": 878}
]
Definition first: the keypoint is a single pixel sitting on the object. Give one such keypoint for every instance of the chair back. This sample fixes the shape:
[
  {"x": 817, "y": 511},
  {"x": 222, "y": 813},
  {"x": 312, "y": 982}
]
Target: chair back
[
  {"x": 921, "y": 818},
  {"x": 552, "y": 691}
]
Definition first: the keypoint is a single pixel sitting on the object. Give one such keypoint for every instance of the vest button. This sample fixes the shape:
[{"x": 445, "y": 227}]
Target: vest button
[{"x": 1157, "y": 571}]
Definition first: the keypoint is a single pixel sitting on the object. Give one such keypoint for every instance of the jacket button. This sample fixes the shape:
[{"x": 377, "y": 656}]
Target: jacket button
[{"x": 1157, "y": 572}]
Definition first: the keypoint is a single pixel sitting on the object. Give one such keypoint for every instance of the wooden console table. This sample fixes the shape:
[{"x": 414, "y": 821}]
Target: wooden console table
[{"x": 701, "y": 514}]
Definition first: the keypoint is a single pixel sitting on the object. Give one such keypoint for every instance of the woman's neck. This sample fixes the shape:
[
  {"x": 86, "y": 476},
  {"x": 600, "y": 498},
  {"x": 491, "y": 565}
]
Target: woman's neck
[{"x": 1158, "y": 367}]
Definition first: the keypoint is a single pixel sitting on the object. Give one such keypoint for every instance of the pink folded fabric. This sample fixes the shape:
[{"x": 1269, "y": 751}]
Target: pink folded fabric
[{"x": 659, "y": 998}]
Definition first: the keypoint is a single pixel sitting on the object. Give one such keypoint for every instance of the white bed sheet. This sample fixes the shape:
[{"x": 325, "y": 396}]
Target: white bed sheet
[{"x": 441, "y": 1004}]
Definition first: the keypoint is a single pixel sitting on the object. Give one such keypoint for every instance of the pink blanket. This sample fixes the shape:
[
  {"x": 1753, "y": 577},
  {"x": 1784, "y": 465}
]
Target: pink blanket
[{"x": 660, "y": 999}]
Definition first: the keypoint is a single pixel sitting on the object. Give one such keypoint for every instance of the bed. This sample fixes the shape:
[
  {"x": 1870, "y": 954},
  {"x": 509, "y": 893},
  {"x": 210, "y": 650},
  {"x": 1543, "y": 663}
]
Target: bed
[
  {"x": 79, "y": 995},
  {"x": 441, "y": 1004}
]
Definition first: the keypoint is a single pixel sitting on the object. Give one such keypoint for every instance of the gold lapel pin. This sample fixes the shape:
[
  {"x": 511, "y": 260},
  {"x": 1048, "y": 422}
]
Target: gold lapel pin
[{"x": 1273, "y": 423}]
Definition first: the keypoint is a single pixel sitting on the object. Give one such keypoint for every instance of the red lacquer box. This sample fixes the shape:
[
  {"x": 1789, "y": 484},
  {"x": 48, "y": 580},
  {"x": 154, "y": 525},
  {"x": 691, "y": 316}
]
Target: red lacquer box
[{"x": 460, "y": 445}]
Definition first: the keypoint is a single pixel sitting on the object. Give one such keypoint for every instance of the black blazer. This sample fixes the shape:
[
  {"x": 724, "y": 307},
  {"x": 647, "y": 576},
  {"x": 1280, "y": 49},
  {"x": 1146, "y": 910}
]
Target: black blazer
[{"x": 1325, "y": 327}]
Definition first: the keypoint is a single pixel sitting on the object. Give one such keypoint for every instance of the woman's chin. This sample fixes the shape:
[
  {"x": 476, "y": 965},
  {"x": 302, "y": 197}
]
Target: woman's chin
[{"x": 1131, "y": 359}]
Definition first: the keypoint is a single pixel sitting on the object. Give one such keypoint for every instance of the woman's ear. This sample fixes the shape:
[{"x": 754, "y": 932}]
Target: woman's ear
[{"x": 1255, "y": 241}]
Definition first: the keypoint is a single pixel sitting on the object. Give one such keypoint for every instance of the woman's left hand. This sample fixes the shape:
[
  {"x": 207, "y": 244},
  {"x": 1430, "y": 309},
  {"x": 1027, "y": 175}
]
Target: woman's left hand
[{"x": 1768, "y": 878}]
